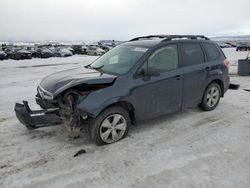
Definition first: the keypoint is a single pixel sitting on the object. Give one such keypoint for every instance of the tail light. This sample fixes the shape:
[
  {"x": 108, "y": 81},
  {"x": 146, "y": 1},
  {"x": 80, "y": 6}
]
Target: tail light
[{"x": 226, "y": 62}]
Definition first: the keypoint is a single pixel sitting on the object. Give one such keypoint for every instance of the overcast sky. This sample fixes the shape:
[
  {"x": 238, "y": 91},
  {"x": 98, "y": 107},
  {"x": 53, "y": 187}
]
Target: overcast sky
[{"x": 75, "y": 20}]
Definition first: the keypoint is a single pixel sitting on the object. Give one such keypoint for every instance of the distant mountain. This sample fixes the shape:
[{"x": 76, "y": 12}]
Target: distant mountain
[
  {"x": 222, "y": 38},
  {"x": 237, "y": 38}
]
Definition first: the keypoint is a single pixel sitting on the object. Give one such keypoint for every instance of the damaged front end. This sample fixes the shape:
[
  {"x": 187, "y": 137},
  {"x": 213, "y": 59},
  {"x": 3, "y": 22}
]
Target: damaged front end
[
  {"x": 61, "y": 110},
  {"x": 38, "y": 118},
  {"x": 73, "y": 120},
  {"x": 58, "y": 96}
]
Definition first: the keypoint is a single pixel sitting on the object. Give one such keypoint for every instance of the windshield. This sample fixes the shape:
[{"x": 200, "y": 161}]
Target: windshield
[{"x": 120, "y": 59}]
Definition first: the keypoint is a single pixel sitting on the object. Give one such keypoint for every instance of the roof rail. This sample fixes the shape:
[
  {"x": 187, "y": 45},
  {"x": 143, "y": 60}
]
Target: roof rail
[{"x": 170, "y": 37}]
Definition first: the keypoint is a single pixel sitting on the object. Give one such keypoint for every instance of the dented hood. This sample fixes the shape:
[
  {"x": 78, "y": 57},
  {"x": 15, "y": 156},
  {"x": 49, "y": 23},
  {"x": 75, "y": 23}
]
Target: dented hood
[{"x": 60, "y": 81}]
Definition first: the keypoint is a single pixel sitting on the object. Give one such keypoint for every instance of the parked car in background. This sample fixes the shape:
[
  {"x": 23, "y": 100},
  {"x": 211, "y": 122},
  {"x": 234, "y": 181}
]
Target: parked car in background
[
  {"x": 43, "y": 53},
  {"x": 21, "y": 54},
  {"x": 243, "y": 47},
  {"x": 10, "y": 52},
  {"x": 225, "y": 45},
  {"x": 3, "y": 55},
  {"x": 107, "y": 43},
  {"x": 106, "y": 48},
  {"x": 54, "y": 49},
  {"x": 144, "y": 78},
  {"x": 94, "y": 50},
  {"x": 64, "y": 52},
  {"x": 79, "y": 49},
  {"x": 100, "y": 51}
]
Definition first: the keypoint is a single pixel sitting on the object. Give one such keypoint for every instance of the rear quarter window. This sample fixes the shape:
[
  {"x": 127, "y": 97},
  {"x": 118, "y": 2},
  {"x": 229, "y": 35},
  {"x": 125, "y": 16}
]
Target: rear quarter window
[
  {"x": 192, "y": 54},
  {"x": 211, "y": 51}
]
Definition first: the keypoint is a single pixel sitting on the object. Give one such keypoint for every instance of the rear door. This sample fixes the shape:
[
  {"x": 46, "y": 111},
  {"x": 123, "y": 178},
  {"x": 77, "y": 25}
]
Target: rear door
[
  {"x": 215, "y": 57},
  {"x": 195, "y": 73}
]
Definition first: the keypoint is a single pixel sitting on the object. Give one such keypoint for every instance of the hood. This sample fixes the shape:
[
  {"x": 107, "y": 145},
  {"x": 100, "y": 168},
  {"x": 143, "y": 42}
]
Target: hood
[{"x": 60, "y": 81}]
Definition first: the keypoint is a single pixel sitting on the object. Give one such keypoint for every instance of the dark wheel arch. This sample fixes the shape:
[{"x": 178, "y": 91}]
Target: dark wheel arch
[
  {"x": 214, "y": 99},
  {"x": 219, "y": 82},
  {"x": 95, "y": 124},
  {"x": 126, "y": 105}
]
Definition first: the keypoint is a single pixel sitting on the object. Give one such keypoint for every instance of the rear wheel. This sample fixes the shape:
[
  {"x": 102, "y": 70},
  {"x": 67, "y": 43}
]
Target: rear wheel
[
  {"x": 211, "y": 97},
  {"x": 110, "y": 126}
]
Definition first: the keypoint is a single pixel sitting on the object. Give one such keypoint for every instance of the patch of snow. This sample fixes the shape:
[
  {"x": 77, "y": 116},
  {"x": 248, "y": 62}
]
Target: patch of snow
[
  {"x": 234, "y": 55},
  {"x": 23, "y": 51},
  {"x": 46, "y": 50}
]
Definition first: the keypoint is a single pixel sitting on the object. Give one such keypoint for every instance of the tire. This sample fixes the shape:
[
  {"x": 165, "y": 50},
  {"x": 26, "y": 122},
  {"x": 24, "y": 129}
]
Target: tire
[
  {"x": 102, "y": 129},
  {"x": 211, "y": 97}
]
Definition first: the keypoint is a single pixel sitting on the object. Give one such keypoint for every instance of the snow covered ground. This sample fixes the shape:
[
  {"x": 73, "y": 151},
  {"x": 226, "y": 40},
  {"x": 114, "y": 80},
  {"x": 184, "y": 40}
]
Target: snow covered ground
[{"x": 186, "y": 149}]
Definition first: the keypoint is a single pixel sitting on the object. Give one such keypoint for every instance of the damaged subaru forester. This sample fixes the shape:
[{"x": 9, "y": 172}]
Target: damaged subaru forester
[{"x": 140, "y": 79}]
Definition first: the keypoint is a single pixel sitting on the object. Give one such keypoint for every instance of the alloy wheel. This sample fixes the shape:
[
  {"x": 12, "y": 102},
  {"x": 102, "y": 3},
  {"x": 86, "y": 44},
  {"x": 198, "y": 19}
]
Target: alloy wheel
[
  {"x": 113, "y": 128},
  {"x": 212, "y": 96}
]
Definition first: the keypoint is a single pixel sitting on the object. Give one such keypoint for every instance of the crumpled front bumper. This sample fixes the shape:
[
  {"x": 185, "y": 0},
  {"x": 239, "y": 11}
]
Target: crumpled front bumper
[{"x": 38, "y": 118}]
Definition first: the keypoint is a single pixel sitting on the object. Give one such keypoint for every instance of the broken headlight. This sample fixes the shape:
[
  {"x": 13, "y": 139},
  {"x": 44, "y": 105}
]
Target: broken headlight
[{"x": 44, "y": 94}]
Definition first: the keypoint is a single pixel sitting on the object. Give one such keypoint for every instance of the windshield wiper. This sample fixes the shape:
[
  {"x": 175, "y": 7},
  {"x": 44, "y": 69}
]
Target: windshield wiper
[
  {"x": 87, "y": 66},
  {"x": 95, "y": 68}
]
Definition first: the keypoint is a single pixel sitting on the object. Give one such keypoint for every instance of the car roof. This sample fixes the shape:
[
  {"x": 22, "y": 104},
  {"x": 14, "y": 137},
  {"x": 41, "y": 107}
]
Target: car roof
[
  {"x": 153, "y": 40},
  {"x": 143, "y": 43}
]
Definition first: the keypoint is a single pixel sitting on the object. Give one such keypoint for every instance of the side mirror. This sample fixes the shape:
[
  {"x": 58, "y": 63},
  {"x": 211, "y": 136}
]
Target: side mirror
[{"x": 153, "y": 72}]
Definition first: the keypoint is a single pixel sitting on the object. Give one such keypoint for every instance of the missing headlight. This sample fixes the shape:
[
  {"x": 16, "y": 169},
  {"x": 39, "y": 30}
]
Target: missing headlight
[{"x": 44, "y": 94}]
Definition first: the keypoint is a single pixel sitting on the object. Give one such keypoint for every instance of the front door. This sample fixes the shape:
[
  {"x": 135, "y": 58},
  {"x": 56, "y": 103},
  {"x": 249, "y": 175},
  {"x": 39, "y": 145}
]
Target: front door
[{"x": 154, "y": 94}]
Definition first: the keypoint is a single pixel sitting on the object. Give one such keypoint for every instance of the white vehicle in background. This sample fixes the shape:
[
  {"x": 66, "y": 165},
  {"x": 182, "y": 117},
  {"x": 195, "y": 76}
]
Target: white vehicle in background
[
  {"x": 3, "y": 55},
  {"x": 64, "y": 52},
  {"x": 71, "y": 49},
  {"x": 100, "y": 51},
  {"x": 106, "y": 48},
  {"x": 94, "y": 50}
]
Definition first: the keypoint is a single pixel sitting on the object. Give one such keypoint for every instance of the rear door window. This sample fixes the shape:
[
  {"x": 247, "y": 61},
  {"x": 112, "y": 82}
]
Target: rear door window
[
  {"x": 192, "y": 54},
  {"x": 211, "y": 51}
]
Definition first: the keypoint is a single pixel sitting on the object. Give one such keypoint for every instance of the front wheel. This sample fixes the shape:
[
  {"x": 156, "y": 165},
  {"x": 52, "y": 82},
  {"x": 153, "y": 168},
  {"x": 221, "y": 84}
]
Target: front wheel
[
  {"x": 211, "y": 97},
  {"x": 110, "y": 126}
]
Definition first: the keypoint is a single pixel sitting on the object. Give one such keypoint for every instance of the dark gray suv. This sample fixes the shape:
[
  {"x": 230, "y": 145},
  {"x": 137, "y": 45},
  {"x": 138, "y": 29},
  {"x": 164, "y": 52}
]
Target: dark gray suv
[{"x": 140, "y": 79}]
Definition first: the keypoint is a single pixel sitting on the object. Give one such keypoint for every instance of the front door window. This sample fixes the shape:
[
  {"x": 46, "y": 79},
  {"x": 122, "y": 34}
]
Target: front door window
[{"x": 164, "y": 59}]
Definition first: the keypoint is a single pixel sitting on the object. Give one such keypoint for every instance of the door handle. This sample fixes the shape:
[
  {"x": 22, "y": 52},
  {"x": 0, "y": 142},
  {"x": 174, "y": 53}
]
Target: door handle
[
  {"x": 207, "y": 68},
  {"x": 177, "y": 77}
]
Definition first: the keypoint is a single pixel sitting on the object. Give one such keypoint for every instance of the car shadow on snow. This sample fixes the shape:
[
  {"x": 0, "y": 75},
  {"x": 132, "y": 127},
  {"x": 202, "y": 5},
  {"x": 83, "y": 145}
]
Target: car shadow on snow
[
  {"x": 164, "y": 120},
  {"x": 182, "y": 121}
]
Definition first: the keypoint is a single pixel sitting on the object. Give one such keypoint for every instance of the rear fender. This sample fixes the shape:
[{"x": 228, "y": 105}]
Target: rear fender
[
  {"x": 218, "y": 79},
  {"x": 215, "y": 73}
]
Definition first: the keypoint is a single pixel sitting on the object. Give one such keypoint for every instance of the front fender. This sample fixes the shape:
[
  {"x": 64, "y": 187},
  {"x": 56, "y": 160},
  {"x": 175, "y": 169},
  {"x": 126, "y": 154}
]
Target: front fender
[{"x": 95, "y": 102}]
